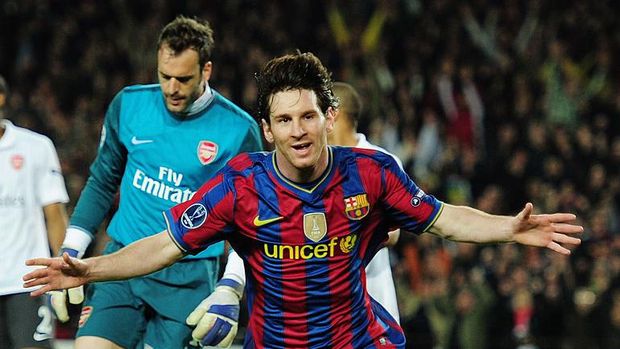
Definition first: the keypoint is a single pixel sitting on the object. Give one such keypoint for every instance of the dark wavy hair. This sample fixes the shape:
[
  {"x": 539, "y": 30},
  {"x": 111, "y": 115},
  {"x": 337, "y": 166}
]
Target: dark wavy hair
[
  {"x": 299, "y": 71},
  {"x": 183, "y": 33}
]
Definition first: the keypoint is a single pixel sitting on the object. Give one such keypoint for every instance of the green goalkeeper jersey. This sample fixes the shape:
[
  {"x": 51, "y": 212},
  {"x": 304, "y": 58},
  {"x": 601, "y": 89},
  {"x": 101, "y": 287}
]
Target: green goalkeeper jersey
[{"x": 158, "y": 160}]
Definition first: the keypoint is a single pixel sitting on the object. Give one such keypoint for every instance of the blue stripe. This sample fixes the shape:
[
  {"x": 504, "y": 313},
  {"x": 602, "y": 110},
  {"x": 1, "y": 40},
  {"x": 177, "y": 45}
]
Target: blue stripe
[{"x": 318, "y": 295}]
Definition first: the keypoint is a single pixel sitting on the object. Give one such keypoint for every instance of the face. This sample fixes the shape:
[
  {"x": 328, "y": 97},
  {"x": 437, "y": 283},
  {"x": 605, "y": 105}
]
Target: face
[
  {"x": 298, "y": 129},
  {"x": 181, "y": 78}
]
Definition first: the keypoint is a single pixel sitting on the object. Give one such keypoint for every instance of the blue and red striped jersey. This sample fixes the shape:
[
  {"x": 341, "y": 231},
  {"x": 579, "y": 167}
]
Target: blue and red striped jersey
[{"x": 305, "y": 246}]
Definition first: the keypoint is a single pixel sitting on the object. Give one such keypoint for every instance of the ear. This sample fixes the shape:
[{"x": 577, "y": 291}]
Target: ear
[
  {"x": 337, "y": 113},
  {"x": 267, "y": 131},
  {"x": 330, "y": 119},
  {"x": 206, "y": 71}
]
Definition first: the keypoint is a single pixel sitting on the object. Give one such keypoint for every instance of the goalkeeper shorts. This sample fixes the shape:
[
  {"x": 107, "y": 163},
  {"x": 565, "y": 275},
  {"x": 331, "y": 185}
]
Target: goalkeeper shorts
[{"x": 148, "y": 310}]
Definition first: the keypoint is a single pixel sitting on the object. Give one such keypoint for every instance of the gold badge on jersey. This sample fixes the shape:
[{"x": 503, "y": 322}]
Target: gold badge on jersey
[
  {"x": 356, "y": 207},
  {"x": 315, "y": 226}
]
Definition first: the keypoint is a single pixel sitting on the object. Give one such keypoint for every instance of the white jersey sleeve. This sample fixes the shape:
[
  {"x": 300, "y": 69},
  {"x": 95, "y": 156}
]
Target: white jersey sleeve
[{"x": 51, "y": 185}]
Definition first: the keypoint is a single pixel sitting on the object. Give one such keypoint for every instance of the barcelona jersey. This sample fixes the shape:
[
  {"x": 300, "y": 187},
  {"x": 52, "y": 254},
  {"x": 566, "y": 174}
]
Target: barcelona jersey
[{"x": 305, "y": 246}]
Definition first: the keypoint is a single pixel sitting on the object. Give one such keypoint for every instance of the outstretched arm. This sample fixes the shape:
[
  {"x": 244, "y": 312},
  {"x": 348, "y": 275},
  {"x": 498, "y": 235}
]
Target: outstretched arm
[
  {"x": 139, "y": 258},
  {"x": 466, "y": 224}
]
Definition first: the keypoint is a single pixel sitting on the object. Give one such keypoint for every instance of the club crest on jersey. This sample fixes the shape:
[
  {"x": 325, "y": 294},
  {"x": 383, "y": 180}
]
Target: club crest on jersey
[
  {"x": 315, "y": 226},
  {"x": 194, "y": 216},
  {"x": 86, "y": 311},
  {"x": 207, "y": 151},
  {"x": 356, "y": 207},
  {"x": 17, "y": 161}
]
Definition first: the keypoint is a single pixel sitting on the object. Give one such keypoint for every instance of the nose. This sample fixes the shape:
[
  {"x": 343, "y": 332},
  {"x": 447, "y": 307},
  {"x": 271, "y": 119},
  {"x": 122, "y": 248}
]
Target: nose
[
  {"x": 172, "y": 86},
  {"x": 298, "y": 130}
]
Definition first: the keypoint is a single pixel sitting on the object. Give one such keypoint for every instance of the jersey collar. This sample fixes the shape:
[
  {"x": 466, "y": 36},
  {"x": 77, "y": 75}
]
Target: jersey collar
[
  {"x": 298, "y": 187},
  {"x": 201, "y": 103}
]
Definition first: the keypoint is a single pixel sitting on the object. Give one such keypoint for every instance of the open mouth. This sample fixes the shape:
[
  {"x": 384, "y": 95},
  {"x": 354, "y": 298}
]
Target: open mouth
[{"x": 302, "y": 147}]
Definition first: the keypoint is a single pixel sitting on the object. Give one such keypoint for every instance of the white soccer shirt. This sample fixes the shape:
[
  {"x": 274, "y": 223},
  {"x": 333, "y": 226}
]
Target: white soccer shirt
[
  {"x": 30, "y": 178},
  {"x": 379, "y": 281}
]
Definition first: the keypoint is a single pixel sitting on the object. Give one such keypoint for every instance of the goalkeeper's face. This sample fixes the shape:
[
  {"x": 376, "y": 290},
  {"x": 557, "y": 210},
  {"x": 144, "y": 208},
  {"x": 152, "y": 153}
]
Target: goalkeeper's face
[{"x": 181, "y": 78}]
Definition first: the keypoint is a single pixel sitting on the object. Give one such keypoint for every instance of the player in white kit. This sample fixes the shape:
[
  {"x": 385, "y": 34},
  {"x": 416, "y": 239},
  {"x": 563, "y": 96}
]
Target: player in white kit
[{"x": 32, "y": 219}]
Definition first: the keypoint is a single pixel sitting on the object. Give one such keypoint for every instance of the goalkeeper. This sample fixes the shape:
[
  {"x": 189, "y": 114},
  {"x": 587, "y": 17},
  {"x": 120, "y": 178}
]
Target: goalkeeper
[{"x": 159, "y": 143}]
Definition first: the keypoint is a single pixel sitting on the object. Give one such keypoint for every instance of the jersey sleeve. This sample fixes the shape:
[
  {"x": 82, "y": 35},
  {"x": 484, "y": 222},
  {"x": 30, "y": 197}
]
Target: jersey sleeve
[
  {"x": 105, "y": 174},
  {"x": 205, "y": 219},
  {"x": 51, "y": 184},
  {"x": 408, "y": 205}
]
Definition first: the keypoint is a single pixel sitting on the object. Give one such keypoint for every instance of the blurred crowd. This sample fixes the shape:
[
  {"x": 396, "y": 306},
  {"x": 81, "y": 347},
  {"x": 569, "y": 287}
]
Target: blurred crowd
[{"x": 487, "y": 103}]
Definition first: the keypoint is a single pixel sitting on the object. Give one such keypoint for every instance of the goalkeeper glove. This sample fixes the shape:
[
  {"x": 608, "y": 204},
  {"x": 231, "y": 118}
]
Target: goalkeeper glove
[
  {"x": 75, "y": 244},
  {"x": 216, "y": 316},
  {"x": 58, "y": 298}
]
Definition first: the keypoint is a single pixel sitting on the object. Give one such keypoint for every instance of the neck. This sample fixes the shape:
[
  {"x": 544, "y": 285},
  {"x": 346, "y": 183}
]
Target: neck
[
  {"x": 347, "y": 139},
  {"x": 350, "y": 139},
  {"x": 306, "y": 174}
]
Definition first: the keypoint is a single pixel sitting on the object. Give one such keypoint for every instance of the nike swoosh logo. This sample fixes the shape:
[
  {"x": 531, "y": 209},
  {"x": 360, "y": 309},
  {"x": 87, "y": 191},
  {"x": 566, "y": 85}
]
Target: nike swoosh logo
[
  {"x": 260, "y": 222},
  {"x": 136, "y": 141},
  {"x": 37, "y": 336}
]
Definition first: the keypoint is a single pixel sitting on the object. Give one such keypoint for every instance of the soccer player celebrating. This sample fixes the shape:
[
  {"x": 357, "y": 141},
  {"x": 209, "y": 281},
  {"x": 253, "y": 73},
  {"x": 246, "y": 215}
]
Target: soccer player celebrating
[
  {"x": 306, "y": 218},
  {"x": 159, "y": 144}
]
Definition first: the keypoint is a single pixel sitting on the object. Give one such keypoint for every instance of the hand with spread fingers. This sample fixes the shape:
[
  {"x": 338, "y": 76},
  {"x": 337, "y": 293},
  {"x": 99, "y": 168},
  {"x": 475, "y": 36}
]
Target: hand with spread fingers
[
  {"x": 546, "y": 230},
  {"x": 58, "y": 299},
  {"x": 58, "y": 273},
  {"x": 467, "y": 224}
]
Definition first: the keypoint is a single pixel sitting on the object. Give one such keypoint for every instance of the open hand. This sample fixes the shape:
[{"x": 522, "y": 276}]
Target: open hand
[
  {"x": 546, "y": 230},
  {"x": 58, "y": 273}
]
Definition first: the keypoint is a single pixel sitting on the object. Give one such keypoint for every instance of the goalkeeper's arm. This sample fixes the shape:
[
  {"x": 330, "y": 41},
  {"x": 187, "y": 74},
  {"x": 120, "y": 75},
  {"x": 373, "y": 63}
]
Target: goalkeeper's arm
[{"x": 95, "y": 201}]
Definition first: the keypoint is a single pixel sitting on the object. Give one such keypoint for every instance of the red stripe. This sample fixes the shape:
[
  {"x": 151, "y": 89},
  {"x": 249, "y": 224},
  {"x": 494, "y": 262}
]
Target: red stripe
[
  {"x": 241, "y": 162},
  {"x": 178, "y": 210}
]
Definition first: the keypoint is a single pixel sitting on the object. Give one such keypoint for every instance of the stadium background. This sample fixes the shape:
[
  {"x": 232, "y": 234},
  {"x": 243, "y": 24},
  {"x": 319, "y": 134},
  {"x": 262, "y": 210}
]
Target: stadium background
[{"x": 488, "y": 103}]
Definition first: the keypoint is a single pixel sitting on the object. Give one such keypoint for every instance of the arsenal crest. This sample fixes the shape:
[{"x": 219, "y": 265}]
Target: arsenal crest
[
  {"x": 315, "y": 226},
  {"x": 207, "y": 151},
  {"x": 356, "y": 207},
  {"x": 17, "y": 161}
]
